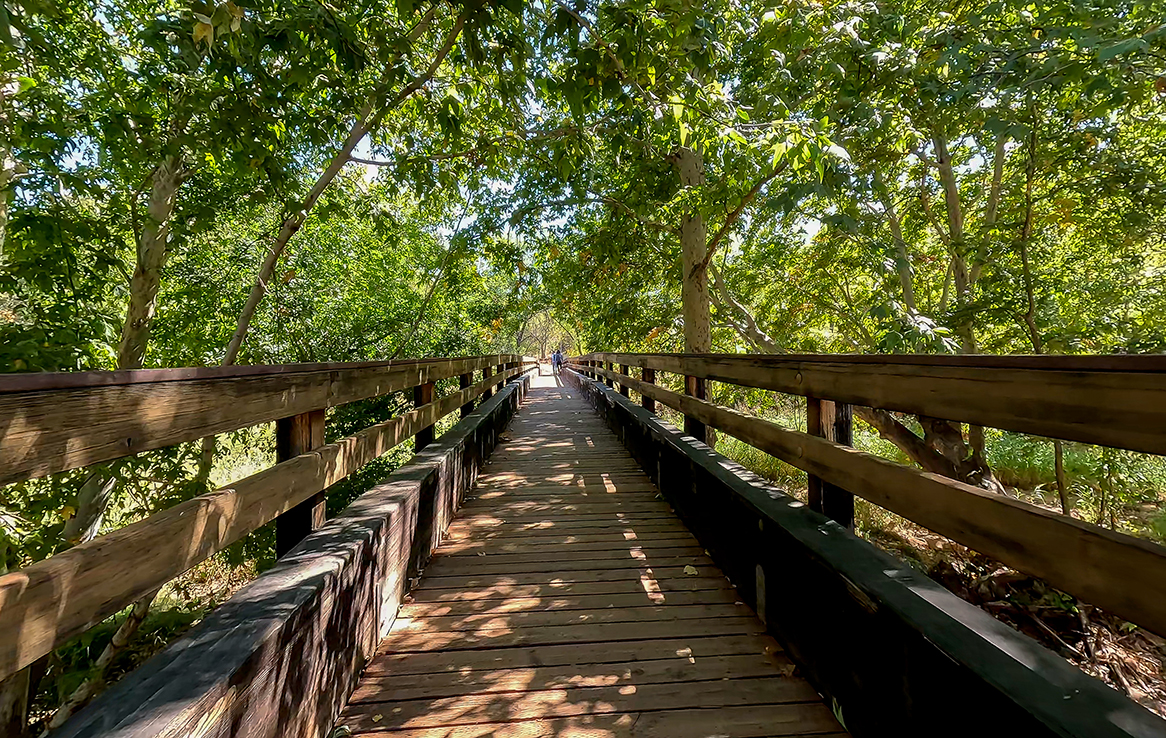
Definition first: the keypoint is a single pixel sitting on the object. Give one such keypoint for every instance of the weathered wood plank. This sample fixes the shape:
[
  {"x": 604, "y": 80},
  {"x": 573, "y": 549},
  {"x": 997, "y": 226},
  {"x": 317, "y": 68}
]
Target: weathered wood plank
[
  {"x": 1111, "y": 401},
  {"x": 754, "y": 721},
  {"x": 1102, "y": 567},
  {"x": 678, "y": 669},
  {"x": 891, "y": 649},
  {"x": 50, "y": 430},
  {"x": 404, "y": 664},
  {"x": 297, "y": 435},
  {"x": 554, "y": 703},
  {"x": 532, "y": 605},
  {"x": 279, "y": 659},
  {"x": 45, "y": 604},
  {"x": 482, "y": 624}
]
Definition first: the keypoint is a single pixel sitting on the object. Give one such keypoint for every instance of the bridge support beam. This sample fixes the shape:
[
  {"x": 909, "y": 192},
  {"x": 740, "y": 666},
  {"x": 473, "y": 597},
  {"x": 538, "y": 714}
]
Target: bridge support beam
[
  {"x": 422, "y": 395},
  {"x": 834, "y": 422},
  {"x": 695, "y": 387},
  {"x": 464, "y": 381},
  {"x": 297, "y": 435},
  {"x": 623, "y": 388},
  {"x": 648, "y": 376}
]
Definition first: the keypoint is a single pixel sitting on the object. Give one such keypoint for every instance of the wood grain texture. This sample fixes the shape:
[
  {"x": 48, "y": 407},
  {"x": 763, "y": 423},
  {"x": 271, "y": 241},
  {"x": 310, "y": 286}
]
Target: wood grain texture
[
  {"x": 1108, "y": 569},
  {"x": 279, "y": 659},
  {"x": 895, "y": 652},
  {"x": 64, "y": 422},
  {"x": 553, "y": 600},
  {"x": 1117, "y": 401},
  {"x": 46, "y": 603}
]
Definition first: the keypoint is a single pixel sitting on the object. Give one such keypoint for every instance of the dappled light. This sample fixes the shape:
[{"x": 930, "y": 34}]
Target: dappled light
[{"x": 568, "y": 600}]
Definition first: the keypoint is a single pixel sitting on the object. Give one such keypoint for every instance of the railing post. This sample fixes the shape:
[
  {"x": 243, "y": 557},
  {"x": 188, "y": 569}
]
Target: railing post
[
  {"x": 14, "y": 701},
  {"x": 422, "y": 395},
  {"x": 608, "y": 380},
  {"x": 465, "y": 381},
  {"x": 486, "y": 372},
  {"x": 832, "y": 421},
  {"x": 695, "y": 387},
  {"x": 297, "y": 435},
  {"x": 623, "y": 388},
  {"x": 649, "y": 377}
]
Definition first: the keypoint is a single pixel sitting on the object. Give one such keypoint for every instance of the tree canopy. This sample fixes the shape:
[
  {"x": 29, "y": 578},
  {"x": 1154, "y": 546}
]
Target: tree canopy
[{"x": 255, "y": 181}]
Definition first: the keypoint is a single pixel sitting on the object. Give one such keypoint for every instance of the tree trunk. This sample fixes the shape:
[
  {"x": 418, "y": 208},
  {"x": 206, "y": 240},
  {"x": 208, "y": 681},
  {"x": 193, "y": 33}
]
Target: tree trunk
[
  {"x": 1029, "y": 316},
  {"x": 365, "y": 122},
  {"x": 902, "y": 259},
  {"x": 957, "y": 242},
  {"x": 906, "y": 441},
  {"x": 1059, "y": 468},
  {"x": 694, "y": 286},
  {"x": 91, "y": 686},
  {"x": 964, "y": 272},
  {"x": 745, "y": 324},
  {"x": 147, "y": 277},
  {"x": 694, "y": 294},
  {"x": 92, "y": 504},
  {"x": 94, "y": 497},
  {"x": 9, "y": 169}
]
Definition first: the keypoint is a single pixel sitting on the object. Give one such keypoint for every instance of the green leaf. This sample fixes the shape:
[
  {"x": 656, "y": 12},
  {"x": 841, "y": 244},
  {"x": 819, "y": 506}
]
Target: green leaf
[{"x": 1123, "y": 47}]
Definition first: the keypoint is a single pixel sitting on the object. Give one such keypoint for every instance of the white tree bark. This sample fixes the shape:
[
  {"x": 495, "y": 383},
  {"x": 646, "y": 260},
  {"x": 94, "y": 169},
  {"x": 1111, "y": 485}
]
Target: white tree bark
[
  {"x": 694, "y": 294},
  {"x": 368, "y": 119},
  {"x": 147, "y": 277},
  {"x": 902, "y": 258}
]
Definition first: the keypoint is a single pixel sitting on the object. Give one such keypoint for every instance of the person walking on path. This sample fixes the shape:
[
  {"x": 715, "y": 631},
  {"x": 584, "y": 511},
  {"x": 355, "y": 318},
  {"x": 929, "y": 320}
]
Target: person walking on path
[{"x": 556, "y": 361}]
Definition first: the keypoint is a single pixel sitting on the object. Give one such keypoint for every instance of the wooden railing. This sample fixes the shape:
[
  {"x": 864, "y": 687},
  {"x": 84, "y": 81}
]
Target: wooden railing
[
  {"x": 56, "y": 422},
  {"x": 1117, "y": 401}
]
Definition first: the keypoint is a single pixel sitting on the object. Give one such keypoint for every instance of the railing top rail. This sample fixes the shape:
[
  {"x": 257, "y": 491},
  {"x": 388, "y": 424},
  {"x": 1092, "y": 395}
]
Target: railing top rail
[
  {"x": 1106, "y": 568},
  {"x": 47, "y": 602},
  {"x": 1117, "y": 401},
  {"x": 38, "y": 381},
  {"x": 1092, "y": 363},
  {"x": 57, "y": 422}
]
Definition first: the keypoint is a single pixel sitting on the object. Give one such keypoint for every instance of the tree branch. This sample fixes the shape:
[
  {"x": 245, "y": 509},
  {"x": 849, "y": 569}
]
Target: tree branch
[{"x": 733, "y": 216}]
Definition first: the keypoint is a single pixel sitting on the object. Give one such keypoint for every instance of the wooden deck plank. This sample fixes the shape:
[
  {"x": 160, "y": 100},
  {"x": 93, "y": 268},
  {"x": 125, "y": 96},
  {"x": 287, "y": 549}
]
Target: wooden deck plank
[
  {"x": 765, "y": 721},
  {"x": 485, "y": 681},
  {"x": 576, "y": 602},
  {"x": 568, "y": 599},
  {"x": 580, "y": 655},
  {"x": 554, "y": 703}
]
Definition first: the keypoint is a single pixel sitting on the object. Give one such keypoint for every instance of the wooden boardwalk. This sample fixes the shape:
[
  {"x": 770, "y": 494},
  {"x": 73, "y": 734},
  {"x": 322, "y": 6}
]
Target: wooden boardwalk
[{"x": 568, "y": 600}]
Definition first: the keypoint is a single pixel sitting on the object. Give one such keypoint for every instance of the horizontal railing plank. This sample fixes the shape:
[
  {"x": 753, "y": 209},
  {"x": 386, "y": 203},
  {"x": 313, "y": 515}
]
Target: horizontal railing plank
[
  {"x": 51, "y": 601},
  {"x": 1111, "y": 570},
  {"x": 39, "y": 381},
  {"x": 893, "y": 651},
  {"x": 1117, "y": 401},
  {"x": 51, "y": 430},
  {"x": 281, "y": 656}
]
